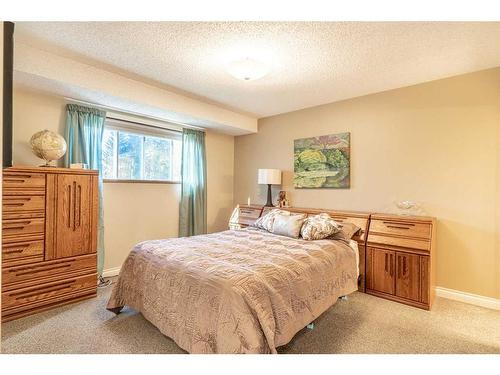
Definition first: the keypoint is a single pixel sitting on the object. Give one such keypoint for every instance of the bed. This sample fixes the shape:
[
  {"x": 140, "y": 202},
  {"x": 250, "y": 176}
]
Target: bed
[{"x": 237, "y": 291}]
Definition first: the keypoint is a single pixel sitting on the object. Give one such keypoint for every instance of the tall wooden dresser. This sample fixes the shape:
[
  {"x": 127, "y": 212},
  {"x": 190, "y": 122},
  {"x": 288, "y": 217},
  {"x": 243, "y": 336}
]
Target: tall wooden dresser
[
  {"x": 49, "y": 238},
  {"x": 400, "y": 259}
]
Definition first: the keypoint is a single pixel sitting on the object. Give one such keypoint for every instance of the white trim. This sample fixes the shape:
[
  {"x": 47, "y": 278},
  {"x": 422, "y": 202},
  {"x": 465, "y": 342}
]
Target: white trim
[
  {"x": 473, "y": 299},
  {"x": 110, "y": 272},
  {"x": 142, "y": 128}
]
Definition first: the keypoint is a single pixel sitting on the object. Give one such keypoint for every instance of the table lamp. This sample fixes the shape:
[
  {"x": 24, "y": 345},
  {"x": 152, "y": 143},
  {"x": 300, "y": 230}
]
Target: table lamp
[{"x": 269, "y": 177}]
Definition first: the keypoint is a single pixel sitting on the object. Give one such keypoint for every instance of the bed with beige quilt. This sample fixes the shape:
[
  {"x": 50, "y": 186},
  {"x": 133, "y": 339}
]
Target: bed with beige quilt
[{"x": 237, "y": 291}]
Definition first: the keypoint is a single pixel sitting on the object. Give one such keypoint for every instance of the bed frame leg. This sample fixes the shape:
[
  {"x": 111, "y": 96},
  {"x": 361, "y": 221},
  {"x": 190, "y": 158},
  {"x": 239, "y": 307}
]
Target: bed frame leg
[
  {"x": 343, "y": 298},
  {"x": 116, "y": 310},
  {"x": 310, "y": 326}
]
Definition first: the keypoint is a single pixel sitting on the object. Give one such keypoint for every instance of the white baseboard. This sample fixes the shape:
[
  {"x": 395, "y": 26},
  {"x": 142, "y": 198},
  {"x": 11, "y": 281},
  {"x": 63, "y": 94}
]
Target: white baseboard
[
  {"x": 110, "y": 272},
  {"x": 473, "y": 299}
]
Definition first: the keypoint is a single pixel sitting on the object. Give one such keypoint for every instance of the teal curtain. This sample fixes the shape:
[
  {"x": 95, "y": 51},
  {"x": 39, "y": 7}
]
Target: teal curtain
[
  {"x": 84, "y": 130},
  {"x": 193, "y": 206}
]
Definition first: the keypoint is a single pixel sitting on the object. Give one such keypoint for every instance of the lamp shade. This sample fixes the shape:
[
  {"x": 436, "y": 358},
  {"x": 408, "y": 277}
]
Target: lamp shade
[{"x": 269, "y": 176}]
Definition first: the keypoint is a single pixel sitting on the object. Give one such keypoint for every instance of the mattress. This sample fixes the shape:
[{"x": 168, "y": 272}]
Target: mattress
[{"x": 243, "y": 291}]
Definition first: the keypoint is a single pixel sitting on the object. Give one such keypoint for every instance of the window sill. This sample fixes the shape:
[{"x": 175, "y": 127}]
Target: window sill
[{"x": 114, "y": 181}]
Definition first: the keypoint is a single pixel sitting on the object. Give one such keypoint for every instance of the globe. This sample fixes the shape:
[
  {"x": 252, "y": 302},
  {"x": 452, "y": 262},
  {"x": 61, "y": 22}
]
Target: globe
[{"x": 48, "y": 146}]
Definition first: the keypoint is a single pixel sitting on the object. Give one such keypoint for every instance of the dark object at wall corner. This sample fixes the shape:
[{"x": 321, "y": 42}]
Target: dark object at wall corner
[{"x": 8, "y": 72}]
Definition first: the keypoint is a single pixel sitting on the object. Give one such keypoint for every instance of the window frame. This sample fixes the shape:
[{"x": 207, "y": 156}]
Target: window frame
[{"x": 143, "y": 130}]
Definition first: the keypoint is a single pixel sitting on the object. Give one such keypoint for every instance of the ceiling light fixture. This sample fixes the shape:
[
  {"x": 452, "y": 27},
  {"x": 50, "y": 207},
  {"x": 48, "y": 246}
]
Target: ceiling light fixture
[{"x": 247, "y": 69}]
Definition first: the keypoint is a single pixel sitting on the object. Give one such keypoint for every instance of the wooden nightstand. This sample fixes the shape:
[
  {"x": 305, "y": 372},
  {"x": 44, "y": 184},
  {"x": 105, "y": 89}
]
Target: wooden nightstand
[
  {"x": 400, "y": 256},
  {"x": 244, "y": 215}
]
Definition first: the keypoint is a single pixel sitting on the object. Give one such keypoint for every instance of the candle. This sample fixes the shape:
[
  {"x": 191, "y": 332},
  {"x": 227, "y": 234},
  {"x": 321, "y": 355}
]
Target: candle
[{"x": 248, "y": 201}]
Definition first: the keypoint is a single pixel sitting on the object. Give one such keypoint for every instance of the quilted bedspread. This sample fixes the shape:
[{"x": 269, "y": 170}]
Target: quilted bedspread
[{"x": 244, "y": 291}]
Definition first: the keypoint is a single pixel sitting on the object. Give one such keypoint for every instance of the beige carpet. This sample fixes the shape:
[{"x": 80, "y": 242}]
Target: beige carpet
[{"x": 362, "y": 324}]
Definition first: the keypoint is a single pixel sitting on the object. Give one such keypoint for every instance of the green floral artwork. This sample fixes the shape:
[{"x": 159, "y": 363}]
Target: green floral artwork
[{"x": 322, "y": 162}]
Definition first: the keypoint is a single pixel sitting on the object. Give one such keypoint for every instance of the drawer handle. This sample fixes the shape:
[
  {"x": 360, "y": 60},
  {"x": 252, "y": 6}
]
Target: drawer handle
[
  {"x": 14, "y": 180},
  {"x": 398, "y": 223},
  {"x": 30, "y": 269},
  {"x": 26, "y": 222},
  {"x": 19, "y": 176},
  {"x": 14, "y": 204},
  {"x": 399, "y": 267},
  {"x": 34, "y": 292},
  {"x": 392, "y": 267},
  {"x": 78, "y": 222},
  {"x": 18, "y": 225},
  {"x": 17, "y": 199},
  {"x": 397, "y": 227},
  {"x": 7, "y": 246},
  {"x": 38, "y": 266},
  {"x": 14, "y": 251},
  {"x": 15, "y": 227},
  {"x": 69, "y": 206}
]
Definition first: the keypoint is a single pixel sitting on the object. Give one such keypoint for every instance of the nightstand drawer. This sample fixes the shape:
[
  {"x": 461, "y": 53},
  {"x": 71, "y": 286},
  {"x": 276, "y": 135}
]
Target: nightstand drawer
[
  {"x": 410, "y": 243},
  {"x": 245, "y": 215},
  {"x": 401, "y": 228},
  {"x": 251, "y": 213}
]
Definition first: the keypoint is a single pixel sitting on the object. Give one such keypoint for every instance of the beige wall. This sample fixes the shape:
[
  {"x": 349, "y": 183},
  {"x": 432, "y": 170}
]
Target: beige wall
[
  {"x": 137, "y": 212},
  {"x": 132, "y": 212},
  {"x": 34, "y": 112},
  {"x": 435, "y": 143},
  {"x": 220, "y": 177}
]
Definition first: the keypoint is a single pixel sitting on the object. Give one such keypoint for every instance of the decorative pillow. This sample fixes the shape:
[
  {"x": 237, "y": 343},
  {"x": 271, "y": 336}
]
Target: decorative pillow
[
  {"x": 266, "y": 222},
  {"x": 318, "y": 227},
  {"x": 288, "y": 225},
  {"x": 347, "y": 231}
]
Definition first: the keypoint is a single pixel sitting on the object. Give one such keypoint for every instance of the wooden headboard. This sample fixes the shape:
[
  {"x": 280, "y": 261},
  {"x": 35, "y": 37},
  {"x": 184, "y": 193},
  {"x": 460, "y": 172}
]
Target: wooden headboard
[{"x": 360, "y": 219}]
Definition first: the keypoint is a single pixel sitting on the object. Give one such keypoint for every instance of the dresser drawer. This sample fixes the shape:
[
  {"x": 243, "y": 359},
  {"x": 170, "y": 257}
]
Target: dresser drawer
[
  {"x": 20, "y": 203},
  {"x": 25, "y": 181},
  {"x": 12, "y": 277},
  {"x": 22, "y": 252},
  {"x": 19, "y": 227},
  {"x": 17, "y": 300},
  {"x": 249, "y": 213},
  {"x": 401, "y": 228}
]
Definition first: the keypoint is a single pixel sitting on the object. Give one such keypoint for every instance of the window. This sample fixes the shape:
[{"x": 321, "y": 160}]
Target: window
[{"x": 140, "y": 153}]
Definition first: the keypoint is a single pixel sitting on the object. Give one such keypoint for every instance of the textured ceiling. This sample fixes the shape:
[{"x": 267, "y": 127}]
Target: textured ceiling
[{"x": 311, "y": 63}]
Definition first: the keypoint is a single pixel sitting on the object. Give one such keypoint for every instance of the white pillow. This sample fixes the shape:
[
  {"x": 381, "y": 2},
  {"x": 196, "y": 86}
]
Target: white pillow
[
  {"x": 288, "y": 225},
  {"x": 266, "y": 222},
  {"x": 319, "y": 226}
]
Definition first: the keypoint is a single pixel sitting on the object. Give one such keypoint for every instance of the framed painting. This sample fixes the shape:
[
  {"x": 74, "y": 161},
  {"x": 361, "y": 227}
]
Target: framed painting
[{"x": 322, "y": 162}]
